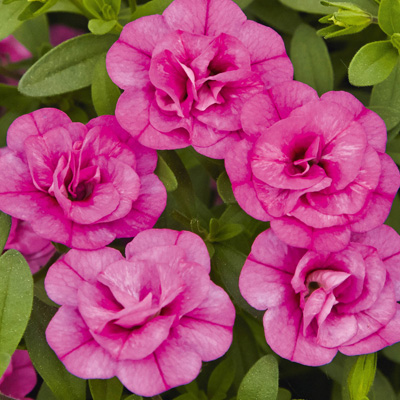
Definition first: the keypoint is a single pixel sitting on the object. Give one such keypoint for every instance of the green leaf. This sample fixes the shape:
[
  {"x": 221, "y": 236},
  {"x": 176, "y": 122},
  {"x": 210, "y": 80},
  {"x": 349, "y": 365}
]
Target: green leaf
[
  {"x": 33, "y": 34},
  {"x": 224, "y": 188},
  {"x": 308, "y": 6},
  {"x": 362, "y": 376},
  {"x": 45, "y": 393},
  {"x": 5, "y": 226},
  {"x": 150, "y": 8},
  {"x": 64, "y": 385},
  {"x": 243, "y": 3},
  {"x": 101, "y": 27},
  {"x": 373, "y": 63},
  {"x": 16, "y": 293},
  {"x": 106, "y": 389},
  {"x": 385, "y": 98},
  {"x": 67, "y": 67},
  {"x": 133, "y": 397},
  {"x": 381, "y": 389},
  {"x": 389, "y": 16},
  {"x": 274, "y": 14},
  {"x": 228, "y": 263},
  {"x": 35, "y": 9},
  {"x": 105, "y": 93},
  {"x": 311, "y": 61},
  {"x": 167, "y": 177},
  {"x": 221, "y": 380},
  {"x": 284, "y": 394},
  {"x": 9, "y": 13},
  {"x": 393, "y": 353},
  {"x": 261, "y": 382}
]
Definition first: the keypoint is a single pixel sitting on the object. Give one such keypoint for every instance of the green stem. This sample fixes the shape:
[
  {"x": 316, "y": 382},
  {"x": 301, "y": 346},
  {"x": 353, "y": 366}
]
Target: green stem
[
  {"x": 78, "y": 4},
  {"x": 117, "y": 28}
]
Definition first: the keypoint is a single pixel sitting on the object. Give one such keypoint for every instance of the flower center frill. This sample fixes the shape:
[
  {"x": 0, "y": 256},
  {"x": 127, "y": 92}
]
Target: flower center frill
[{"x": 193, "y": 74}]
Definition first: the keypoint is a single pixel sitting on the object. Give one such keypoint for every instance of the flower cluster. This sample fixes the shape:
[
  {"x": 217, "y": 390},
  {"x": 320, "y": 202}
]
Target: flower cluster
[{"x": 203, "y": 75}]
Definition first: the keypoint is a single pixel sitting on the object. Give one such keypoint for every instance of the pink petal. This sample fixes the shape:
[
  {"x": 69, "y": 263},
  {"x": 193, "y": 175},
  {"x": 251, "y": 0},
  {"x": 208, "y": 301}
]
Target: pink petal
[
  {"x": 69, "y": 337},
  {"x": 33, "y": 124},
  {"x": 205, "y": 17},
  {"x": 142, "y": 377},
  {"x": 267, "y": 51},
  {"x": 128, "y": 60},
  {"x": 145, "y": 210}
]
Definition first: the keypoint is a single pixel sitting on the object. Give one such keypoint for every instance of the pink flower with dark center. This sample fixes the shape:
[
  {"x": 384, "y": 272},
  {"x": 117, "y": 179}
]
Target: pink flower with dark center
[
  {"x": 187, "y": 73},
  {"x": 36, "y": 250},
  {"x": 149, "y": 319},
  {"x": 316, "y": 168},
  {"x": 321, "y": 303},
  {"x": 79, "y": 185},
  {"x": 19, "y": 378}
]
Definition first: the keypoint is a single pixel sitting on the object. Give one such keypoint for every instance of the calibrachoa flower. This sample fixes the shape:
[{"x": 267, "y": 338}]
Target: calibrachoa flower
[
  {"x": 11, "y": 51},
  {"x": 187, "y": 73},
  {"x": 19, "y": 378},
  {"x": 149, "y": 319},
  {"x": 321, "y": 303},
  {"x": 317, "y": 171},
  {"x": 36, "y": 250},
  {"x": 79, "y": 185}
]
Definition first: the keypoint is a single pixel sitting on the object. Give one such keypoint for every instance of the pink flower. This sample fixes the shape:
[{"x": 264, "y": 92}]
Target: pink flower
[
  {"x": 316, "y": 168},
  {"x": 36, "y": 250},
  {"x": 149, "y": 319},
  {"x": 20, "y": 376},
  {"x": 321, "y": 303},
  {"x": 11, "y": 51},
  {"x": 187, "y": 73},
  {"x": 79, "y": 185}
]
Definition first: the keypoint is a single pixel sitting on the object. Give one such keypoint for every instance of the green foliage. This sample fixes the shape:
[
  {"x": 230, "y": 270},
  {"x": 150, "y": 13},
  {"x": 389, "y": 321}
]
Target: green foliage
[
  {"x": 224, "y": 188},
  {"x": 362, "y": 376},
  {"x": 221, "y": 380},
  {"x": 63, "y": 385},
  {"x": 389, "y": 16},
  {"x": 16, "y": 294},
  {"x": 9, "y": 13},
  {"x": 105, "y": 93},
  {"x": 261, "y": 382},
  {"x": 106, "y": 389},
  {"x": 5, "y": 226},
  {"x": 373, "y": 63},
  {"x": 310, "y": 59},
  {"x": 167, "y": 177},
  {"x": 385, "y": 98},
  {"x": 67, "y": 67},
  {"x": 308, "y": 6}
]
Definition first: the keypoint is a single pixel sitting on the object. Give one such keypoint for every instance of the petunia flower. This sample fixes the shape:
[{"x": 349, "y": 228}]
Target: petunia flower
[
  {"x": 319, "y": 303},
  {"x": 316, "y": 168},
  {"x": 79, "y": 185},
  {"x": 19, "y": 379},
  {"x": 187, "y": 73},
  {"x": 149, "y": 319}
]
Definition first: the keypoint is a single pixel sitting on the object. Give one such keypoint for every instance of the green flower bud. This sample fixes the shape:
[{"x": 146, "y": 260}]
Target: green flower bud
[{"x": 351, "y": 18}]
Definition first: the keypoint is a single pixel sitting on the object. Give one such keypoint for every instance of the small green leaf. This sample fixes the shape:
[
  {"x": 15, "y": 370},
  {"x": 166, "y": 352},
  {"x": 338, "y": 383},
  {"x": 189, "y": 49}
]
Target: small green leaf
[
  {"x": 227, "y": 232},
  {"x": 243, "y": 3},
  {"x": 67, "y": 67},
  {"x": 167, "y": 177},
  {"x": 261, "y": 382},
  {"x": 105, "y": 93},
  {"x": 373, "y": 63},
  {"x": 16, "y": 294},
  {"x": 35, "y": 9},
  {"x": 64, "y": 385},
  {"x": 221, "y": 380},
  {"x": 101, "y": 27},
  {"x": 362, "y": 376},
  {"x": 106, "y": 389},
  {"x": 311, "y": 61},
  {"x": 389, "y": 16},
  {"x": 284, "y": 394},
  {"x": 224, "y": 188},
  {"x": 9, "y": 13},
  {"x": 133, "y": 397}
]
